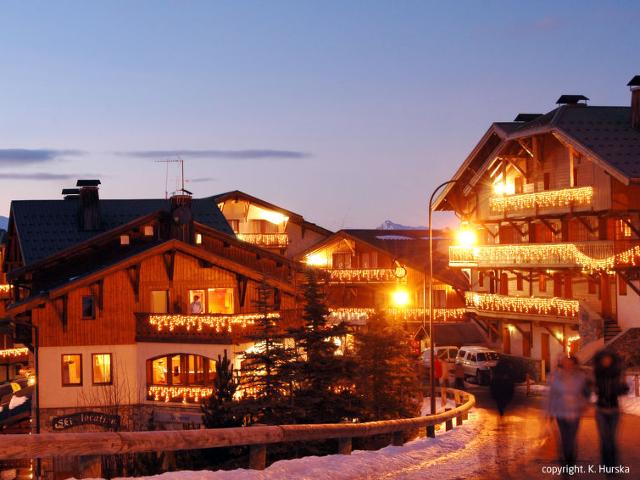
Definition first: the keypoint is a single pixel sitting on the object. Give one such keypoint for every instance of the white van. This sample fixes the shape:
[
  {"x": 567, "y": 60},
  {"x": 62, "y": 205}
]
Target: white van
[{"x": 477, "y": 362}]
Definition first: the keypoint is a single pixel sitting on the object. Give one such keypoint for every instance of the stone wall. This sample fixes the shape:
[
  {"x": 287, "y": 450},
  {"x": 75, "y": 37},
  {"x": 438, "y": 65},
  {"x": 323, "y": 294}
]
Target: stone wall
[
  {"x": 627, "y": 345},
  {"x": 523, "y": 365},
  {"x": 590, "y": 327}
]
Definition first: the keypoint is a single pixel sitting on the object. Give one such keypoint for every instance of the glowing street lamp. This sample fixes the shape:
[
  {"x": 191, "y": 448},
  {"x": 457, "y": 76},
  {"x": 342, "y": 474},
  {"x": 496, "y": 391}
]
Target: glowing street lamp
[
  {"x": 400, "y": 298},
  {"x": 466, "y": 236}
]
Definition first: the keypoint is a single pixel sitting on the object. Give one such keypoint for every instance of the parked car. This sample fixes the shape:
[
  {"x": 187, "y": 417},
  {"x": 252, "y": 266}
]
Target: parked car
[
  {"x": 446, "y": 353},
  {"x": 477, "y": 362}
]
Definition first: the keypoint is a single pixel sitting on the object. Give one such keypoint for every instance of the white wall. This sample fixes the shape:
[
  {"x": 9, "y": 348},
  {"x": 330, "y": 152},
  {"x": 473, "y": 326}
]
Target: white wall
[{"x": 628, "y": 308}]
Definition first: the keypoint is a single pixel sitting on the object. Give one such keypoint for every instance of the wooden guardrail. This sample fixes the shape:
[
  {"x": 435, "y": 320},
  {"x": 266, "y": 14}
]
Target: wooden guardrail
[{"x": 45, "y": 445}]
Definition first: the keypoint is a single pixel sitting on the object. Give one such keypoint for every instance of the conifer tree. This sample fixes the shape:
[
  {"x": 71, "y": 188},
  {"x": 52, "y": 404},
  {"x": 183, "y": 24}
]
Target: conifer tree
[
  {"x": 388, "y": 379},
  {"x": 220, "y": 410}
]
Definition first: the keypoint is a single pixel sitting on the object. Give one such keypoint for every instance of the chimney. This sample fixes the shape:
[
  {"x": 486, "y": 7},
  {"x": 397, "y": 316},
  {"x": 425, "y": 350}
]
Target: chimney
[
  {"x": 181, "y": 215},
  {"x": 70, "y": 193},
  {"x": 572, "y": 100},
  {"x": 634, "y": 85},
  {"x": 89, "y": 207}
]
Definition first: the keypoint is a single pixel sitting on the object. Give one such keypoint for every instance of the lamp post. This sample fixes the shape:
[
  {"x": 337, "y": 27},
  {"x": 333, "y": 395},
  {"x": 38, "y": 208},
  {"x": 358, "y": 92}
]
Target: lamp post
[{"x": 432, "y": 380}]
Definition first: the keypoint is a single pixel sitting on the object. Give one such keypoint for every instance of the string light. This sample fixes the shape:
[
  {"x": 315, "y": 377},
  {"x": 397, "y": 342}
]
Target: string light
[
  {"x": 265, "y": 239},
  {"x": 589, "y": 256},
  {"x": 168, "y": 394},
  {"x": 5, "y": 288},
  {"x": 14, "y": 352},
  {"x": 350, "y": 315},
  {"x": 219, "y": 323},
  {"x": 491, "y": 302},
  {"x": 362, "y": 275},
  {"x": 362, "y": 314},
  {"x": 547, "y": 199}
]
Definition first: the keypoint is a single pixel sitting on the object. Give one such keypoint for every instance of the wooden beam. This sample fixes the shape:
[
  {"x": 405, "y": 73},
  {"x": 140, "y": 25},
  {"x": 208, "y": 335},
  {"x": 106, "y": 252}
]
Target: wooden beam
[
  {"x": 550, "y": 226},
  {"x": 515, "y": 225},
  {"x": 515, "y": 165},
  {"x": 553, "y": 334},
  {"x": 241, "y": 281},
  {"x": 587, "y": 224},
  {"x": 169, "y": 263},
  {"x": 526, "y": 148},
  {"x": 628, "y": 281},
  {"x": 630, "y": 225},
  {"x": 133, "y": 274}
]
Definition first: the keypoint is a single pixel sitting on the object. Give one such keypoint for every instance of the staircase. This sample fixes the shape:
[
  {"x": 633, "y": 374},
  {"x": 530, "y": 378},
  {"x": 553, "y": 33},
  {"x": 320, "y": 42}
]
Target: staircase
[{"x": 611, "y": 329}]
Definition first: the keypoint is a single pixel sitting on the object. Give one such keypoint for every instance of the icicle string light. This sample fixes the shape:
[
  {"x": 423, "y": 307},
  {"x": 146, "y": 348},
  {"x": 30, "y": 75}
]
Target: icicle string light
[
  {"x": 362, "y": 314},
  {"x": 265, "y": 239},
  {"x": 14, "y": 352},
  {"x": 184, "y": 394},
  {"x": 490, "y": 302},
  {"x": 548, "y": 199},
  {"x": 589, "y": 256},
  {"x": 5, "y": 288},
  {"x": 219, "y": 323},
  {"x": 362, "y": 275}
]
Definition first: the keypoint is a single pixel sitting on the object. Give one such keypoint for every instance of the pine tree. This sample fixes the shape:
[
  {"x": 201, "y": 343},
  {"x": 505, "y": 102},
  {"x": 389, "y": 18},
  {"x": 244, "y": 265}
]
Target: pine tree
[
  {"x": 388, "y": 372},
  {"x": 324, "y": 379},
  {"x": 265, "y": 374},
  {"x": 220, "y": 410}
]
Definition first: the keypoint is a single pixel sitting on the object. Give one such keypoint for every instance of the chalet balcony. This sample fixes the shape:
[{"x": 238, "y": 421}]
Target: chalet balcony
[
  {"x": 362, "y": 275},
  {"x": 588, "y": 256},
  {"x": 359, "y": 316},
  {"x": 274, "y": 240},
  {"x": 526, "y": 308},
  {"x": 574, "y": 198},
  {"x": 206, "y": 328},
  {"x": 14, "y": 354},
  {"x": 5, "y": 290}
]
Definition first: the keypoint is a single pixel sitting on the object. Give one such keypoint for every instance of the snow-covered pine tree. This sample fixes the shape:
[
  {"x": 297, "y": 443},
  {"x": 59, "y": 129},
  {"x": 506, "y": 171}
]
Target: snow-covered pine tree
[
  {"x": 324, "y": 380},
  {"x": 388, "y": 379}
]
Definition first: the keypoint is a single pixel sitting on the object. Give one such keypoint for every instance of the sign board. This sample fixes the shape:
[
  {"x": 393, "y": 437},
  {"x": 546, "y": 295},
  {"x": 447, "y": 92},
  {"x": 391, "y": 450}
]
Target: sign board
[{"x": 85, "y": 418}]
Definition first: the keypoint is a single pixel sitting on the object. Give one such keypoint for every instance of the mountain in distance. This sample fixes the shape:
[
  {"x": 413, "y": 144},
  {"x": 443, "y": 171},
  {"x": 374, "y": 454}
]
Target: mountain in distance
[
  {"x": 4, "y": 221},
  {"x": 389, "y": 225}
]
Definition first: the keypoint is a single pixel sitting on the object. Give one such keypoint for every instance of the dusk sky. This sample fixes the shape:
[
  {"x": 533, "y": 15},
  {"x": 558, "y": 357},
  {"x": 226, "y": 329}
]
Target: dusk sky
[{"x": 346, "y": 112}]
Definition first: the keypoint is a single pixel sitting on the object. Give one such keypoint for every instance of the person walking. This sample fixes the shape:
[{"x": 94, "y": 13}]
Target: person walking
[
  {"x": 502, "y": 385},
  {"x": 609, "y": 385},
  {"x": 568, "y": 395}
]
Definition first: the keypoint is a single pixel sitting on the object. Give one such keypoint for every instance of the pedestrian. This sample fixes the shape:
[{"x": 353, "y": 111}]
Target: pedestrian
[
  {"x": 437, "y": 372},
  {"x": 568, "y": 395},
  {"x": 196, "y": 305},
  {"x": 502, "y": 385},
  {"x": 444, "y": 381},
  {"x": 609, "y": 385}
]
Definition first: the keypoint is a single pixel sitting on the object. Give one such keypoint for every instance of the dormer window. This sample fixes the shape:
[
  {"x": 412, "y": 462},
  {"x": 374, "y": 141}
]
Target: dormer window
[
  {"x": 198, "y": 238},
  {"x": 124, "y": 239},
  {"x": 148, "y": 230}
]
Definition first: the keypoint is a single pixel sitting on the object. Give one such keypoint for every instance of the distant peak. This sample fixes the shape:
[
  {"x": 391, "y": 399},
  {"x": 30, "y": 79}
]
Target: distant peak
[{"x": 389, "y": 225}]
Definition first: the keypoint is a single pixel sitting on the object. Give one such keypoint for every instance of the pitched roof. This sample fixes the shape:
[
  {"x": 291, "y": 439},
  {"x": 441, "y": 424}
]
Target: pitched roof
[
  {"x": 605, "y": 131},
  {"x": 45, "y": 227}
]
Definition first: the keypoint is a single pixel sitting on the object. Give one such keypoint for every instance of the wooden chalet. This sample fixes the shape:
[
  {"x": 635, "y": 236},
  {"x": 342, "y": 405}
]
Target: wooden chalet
[
  {"x": 266, "y": 225},
  {"x": 132, "y": 301},
  {"x": 554, "y": 202}
]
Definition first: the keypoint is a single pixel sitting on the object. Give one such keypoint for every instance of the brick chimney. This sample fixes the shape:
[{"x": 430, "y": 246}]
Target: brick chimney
[
  {"x": 634, "y": 85},
  {"x": 89, "y": 205},
  {"x": 182, "y": 216}
]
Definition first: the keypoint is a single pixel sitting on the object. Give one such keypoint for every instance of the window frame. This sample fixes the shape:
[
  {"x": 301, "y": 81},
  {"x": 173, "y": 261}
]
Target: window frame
[
  {"x": 62, "y": 369},
  {"x": 93, "y": 380},
  {"x": 94, "y": 310}
]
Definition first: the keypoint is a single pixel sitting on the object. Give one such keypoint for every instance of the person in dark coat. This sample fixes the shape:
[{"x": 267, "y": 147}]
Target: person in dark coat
[
  {"x": 609, "y": 385},
  {"x": 502, "y": 385}
]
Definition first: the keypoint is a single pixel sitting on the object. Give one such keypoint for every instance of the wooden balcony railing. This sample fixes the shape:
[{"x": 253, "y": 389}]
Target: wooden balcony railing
[
  {"x": 538, "y": 306},
  {"x": 564, "y": 198},
  {"x": 265, "y": 239},
  {"x": 589, "y": 256},
  {"x": 207, "y": 328},
  {"x": 362, "y": 275}
]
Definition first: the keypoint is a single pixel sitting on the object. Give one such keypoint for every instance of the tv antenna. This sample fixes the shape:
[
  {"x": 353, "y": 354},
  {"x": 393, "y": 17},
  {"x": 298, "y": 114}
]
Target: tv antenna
[{"x": 166, "y": 180}]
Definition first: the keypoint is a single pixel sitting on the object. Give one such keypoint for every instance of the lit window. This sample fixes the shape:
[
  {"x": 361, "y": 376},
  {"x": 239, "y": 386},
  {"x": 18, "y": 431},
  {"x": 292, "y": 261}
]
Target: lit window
[
  {"x": 159, "y": 371},
  {"x": 220, "y": 300},
  {"x": 176, "y": 370},
  {"x": 124, "y": 239},
  {"x": 198, "y": 238},
  {"x": 148, "y": 230},
  {"x": 196, "y": 302},
  {"x": 101, "y": 368},
  {"x": 88, "y": 307},
  {"x": 71, "y": 370}
]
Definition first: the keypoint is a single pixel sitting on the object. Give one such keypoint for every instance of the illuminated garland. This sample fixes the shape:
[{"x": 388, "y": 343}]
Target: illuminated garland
[
  {"x": 548, "y": 199},
  {"x": 362, "y": 275},
  {"x": 338, "y": 315},
  {"x": 167, "y": 394},
  {"x": 362, "y": 314},
  {"x": 5, "y": 288},
  {"x": 590, "y": 256},
  {"x": 14, "y": 352},
  {"x": 265, "y": 239},
  {"x": 490, "y": 302},
  {"x": 219, "y": 323}
]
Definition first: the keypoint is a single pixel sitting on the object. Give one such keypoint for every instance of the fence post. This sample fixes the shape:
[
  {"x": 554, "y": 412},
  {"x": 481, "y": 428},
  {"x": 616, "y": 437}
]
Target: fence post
[
  {"x": 448, "y": 424},
  {"x": 344, "y": 446},
  {"x": 543, "y": 372},
  {"x": 257, "y": 457},
  {"x": 431, "y": 431},
  {"x": 398, "y": 439}
]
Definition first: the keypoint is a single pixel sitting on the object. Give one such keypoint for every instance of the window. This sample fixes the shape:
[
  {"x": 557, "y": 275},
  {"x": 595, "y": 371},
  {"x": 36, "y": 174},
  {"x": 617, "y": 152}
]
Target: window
[
  {"x": 124, "y": 239},
  {"x": 101, "y": 368},
  {"x": 88, "y": 307},
  {"x": 198, "y": 239},
  {"x": 177, "y": 377},
  {"x": 159, "y": 302},
  {"x": 622, "y": 285},
  {"x": 159, "y": 371},
  {"x": 220, "y": 300},
  {"x": 180, "y": 369},
  {"x": 71, "y": 370},
  {"x": 148, "y": 230},
  {"x": 341, "y": 260},
  {"x": 196, "y": 302},
  {"x": 623, "y": 229}
]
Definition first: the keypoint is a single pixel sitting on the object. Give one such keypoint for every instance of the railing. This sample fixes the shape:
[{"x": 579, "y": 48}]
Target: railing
[
  {"x": 567, "y": 197},
  {"x": 14, "y": 353},
  {"x": 5, "y": 290},
  {"x": 539, "y": 306},
  {"x": 362, "y": 275},
  {"x": 206, "y": 328},
  {"x": 45, "y": 445},
  {"x": 590, "y": 256},
  {"x": 265, "y": 239}
]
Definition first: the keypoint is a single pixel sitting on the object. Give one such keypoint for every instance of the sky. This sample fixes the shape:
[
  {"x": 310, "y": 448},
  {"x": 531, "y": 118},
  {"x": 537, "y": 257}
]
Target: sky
[{"x": 346, "y": 112}]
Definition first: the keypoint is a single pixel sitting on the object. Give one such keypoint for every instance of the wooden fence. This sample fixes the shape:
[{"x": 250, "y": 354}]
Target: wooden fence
[{"x": 46, "y": 445}]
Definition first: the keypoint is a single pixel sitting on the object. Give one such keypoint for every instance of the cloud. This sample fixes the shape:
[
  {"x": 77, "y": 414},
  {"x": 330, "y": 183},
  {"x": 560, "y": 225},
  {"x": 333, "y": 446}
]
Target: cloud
[
  {"x": 22, "y": 156},
  {"x": 43, "y": 176},
  {"x": 254, "y": 154}
]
